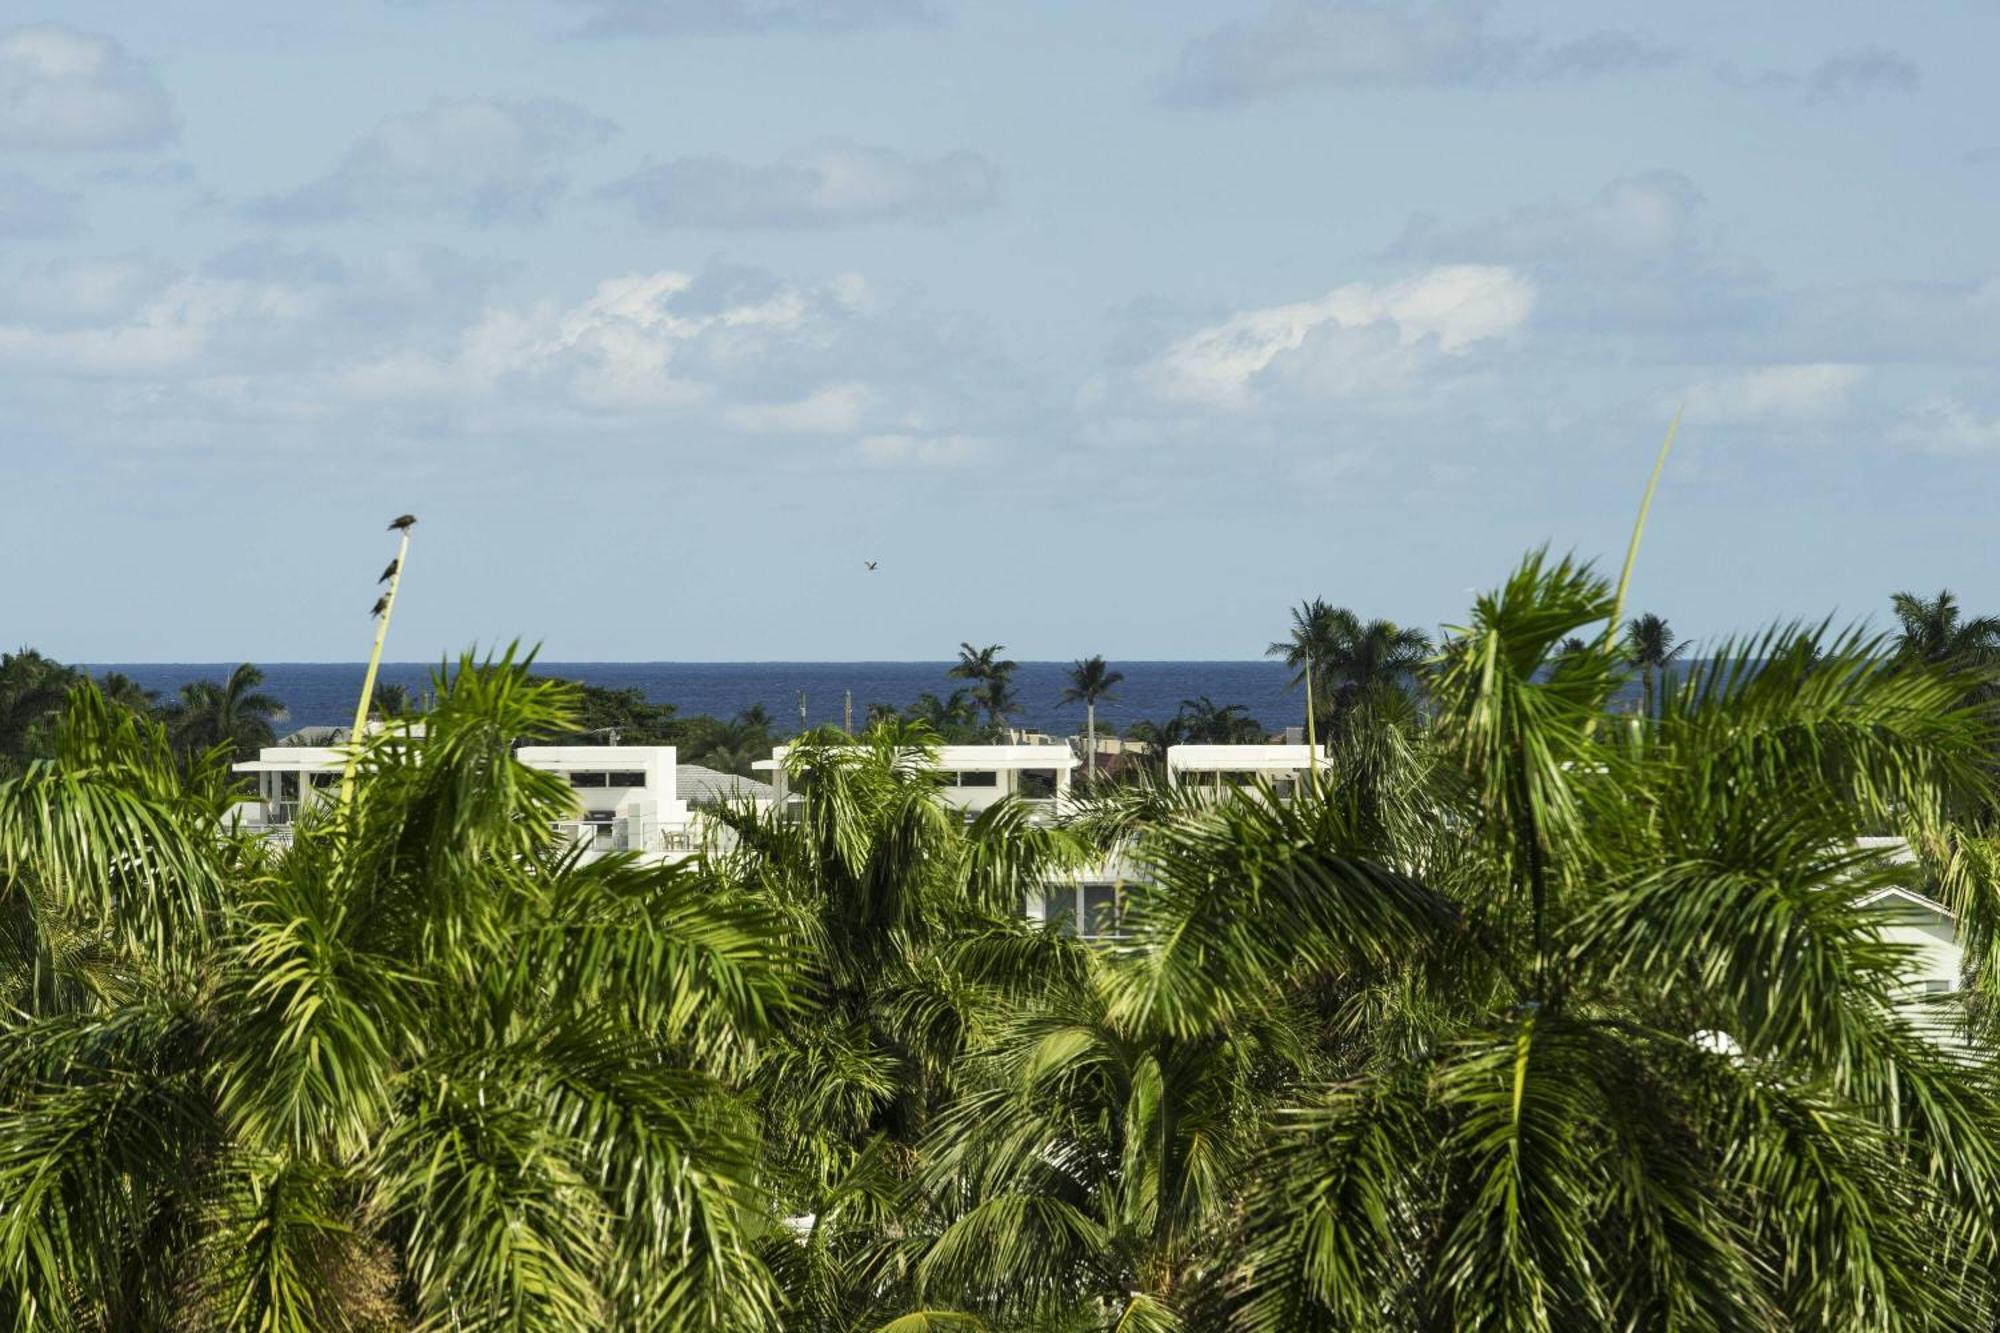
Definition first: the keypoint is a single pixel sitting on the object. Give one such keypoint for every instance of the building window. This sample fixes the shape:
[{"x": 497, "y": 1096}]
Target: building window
[
  {"x": 1038, "y": 784},
  {"x": 1937, "y": 987},
  {"x": 979, "y": 778},
  {"x": 1059, "y": 909},
  {"x": 588, "y": 779},
  {"x": 1100, "y": 909},
  {"x": 288, "y": 786},
  {"x": 625, "y": 779}
]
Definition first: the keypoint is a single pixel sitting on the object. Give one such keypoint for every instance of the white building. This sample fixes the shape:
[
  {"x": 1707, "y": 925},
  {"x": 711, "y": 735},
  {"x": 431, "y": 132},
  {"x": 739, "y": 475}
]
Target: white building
[
  {"x": 626, "y": 796},
  {"x": 975, "y": 777},
  {"x": 1924, "y": 926},
  {"x": 1283, "y": 766}
]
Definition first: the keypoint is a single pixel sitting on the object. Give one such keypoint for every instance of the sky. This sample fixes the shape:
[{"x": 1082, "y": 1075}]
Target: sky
[{"x": 1101, "y": 326}]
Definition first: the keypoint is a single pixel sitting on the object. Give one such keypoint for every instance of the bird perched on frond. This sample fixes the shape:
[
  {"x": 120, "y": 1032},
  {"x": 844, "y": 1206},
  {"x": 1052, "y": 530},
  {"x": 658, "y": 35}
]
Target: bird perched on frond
[
  {"x": 381, "y": 605},
  {"x": 403, "y": 523},
  {"x": 390, "y": 572}
]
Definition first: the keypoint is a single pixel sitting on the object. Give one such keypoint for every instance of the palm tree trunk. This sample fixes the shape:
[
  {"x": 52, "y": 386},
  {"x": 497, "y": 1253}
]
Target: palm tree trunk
[{"x": 1090, "y": 743}]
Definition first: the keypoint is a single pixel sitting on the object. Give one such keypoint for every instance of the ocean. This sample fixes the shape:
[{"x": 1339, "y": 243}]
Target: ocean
[{"x": 324, "y": 693}]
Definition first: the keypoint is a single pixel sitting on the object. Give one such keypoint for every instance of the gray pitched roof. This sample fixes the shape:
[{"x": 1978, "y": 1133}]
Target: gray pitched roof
[{"x": 706, "y": 786}]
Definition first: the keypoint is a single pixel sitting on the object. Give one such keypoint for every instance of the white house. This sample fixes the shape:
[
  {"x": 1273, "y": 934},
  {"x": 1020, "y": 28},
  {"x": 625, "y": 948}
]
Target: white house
[
  {"x": 626, "y": 796},
  {"x": 1283, "y": 766},
  {"x": 975, "y": 777}
]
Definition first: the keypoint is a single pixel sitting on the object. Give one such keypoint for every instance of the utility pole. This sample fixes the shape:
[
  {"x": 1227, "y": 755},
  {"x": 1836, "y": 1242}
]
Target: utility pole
[
  {"x": 403, "y": 525},
  {"x": 802, "y": 710},
  {"x": 1312, "y": 732},
  {"x": 847, "y": 713}
]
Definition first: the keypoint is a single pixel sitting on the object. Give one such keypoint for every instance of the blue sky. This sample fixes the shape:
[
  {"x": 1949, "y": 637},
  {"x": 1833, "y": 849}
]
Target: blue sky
[{"x": 1102, "y": 327}]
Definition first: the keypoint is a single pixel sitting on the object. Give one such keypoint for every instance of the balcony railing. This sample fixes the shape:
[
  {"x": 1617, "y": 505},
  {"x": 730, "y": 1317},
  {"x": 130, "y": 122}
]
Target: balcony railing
[{"x": 626, "y": 834}]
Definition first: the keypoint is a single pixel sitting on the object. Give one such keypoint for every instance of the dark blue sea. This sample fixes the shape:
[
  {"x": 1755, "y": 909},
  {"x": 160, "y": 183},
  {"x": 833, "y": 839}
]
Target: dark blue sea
[{"x": 324, "y": 693}]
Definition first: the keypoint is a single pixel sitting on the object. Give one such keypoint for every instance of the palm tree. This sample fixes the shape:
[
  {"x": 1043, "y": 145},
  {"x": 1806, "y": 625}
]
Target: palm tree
[
  {"x": 413, "y": 1072},
  {"x": 951, "y": 718},
  {"x": 909, "y": 925},
  {"x": 1090, "y": 681},
  {"x": 234, "y": 714},
  {"x": 120, "y": 689},
  {"x": 32, "y": 690},
  {"x": 392, "y": 700},
  {"x": 1935, "y": 631},
  {"x": 1351, "y": 663},
  {"x": 992, "y": 676},
  {"x": 1649, "y": 643},
  {"x": 1200, "y": 721},
  {"x": 1615, "y": 1049}
]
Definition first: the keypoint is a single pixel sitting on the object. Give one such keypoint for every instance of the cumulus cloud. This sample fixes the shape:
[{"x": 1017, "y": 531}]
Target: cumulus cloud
[
  {"x": 256, "y": 310},
  {"x": 931, "y": 451},
  {"x": 64, "y": 89},
  {"x": 836, "y": 409},
  {"x": 480, "y": 159},
  {"x": 1841, "y": 79},
  {"x": 30, "y": 208},
  {"x": 270, "y": 332},
  {"x": 1357, "y": 336},
  {"x": 1947, "y": 426},
  {"x": 1775, "y": 393},
  {"x": 1383, "y": 43},
  {"x": 1633, "y": 221},
  {"x": 829, "y": 184},
  {"x": 660, "y": 18}
]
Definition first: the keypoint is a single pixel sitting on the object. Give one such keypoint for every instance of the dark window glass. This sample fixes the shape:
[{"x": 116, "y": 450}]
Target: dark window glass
[
  {"x": 288, "y": 786},
  {"x": 323, "y": 779},
  {"x": 1059, "y": 909},
  {"x": 979, "y": 779},
  {"x": 587, "y": 779},
  {"x": 1100, "y": 909},
  {"x": 625, "y": 779},
  {"x": 1038, "y": 783}
]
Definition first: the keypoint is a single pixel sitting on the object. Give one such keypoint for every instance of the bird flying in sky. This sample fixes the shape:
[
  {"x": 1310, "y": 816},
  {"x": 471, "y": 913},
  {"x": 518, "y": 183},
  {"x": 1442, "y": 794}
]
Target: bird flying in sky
[
  {"x": 403, "y": 523},
  {"x": 869, "y": 563}
]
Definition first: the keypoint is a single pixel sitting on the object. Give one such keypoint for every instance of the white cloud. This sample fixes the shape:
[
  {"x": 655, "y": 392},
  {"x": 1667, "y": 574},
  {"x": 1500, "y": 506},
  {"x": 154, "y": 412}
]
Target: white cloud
[
  {"x": 904, "y": 450},
  {"x": 1356, "y": 334},
  {"x": 30, "y": 208},
  {"x": 1842, "y": 78},
  {"x": 1785, "y": 393},
  {"x": 831, "y": 183},
  {"x": 658, "y": 18},
  {"x": 836, "y": 409},
  {"x": 1947, "y": 426},
  {"x": 63, "y": 89},
  {"x": 1382, "y": 43},
  {"x": 481, "y": 159},
  {"x": 1633, "y": 221}
]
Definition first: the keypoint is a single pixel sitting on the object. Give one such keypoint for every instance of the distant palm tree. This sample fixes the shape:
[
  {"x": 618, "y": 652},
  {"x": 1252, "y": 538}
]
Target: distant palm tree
[
  {"x": 953, "y": 715},
  {"x": 1201, "y": 722},
  {"x": 1090, "y": 681},
  {"x": 1649, "y": 642},
  {"x": 120, "y": 689},
  {"x": 234, "y": 713},
  {"x": 1934, "y": 631},
  {"x": 32, "y": 688},
  {"x": 392, "y": 700},
  {"x": 992, "y": 676},
  {"x": 1349, "y": 661}
]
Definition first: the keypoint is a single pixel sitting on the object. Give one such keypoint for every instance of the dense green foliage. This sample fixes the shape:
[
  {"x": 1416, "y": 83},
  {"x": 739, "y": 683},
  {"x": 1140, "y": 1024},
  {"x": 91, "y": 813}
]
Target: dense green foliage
[{"x": 1526, "y": 1013}]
